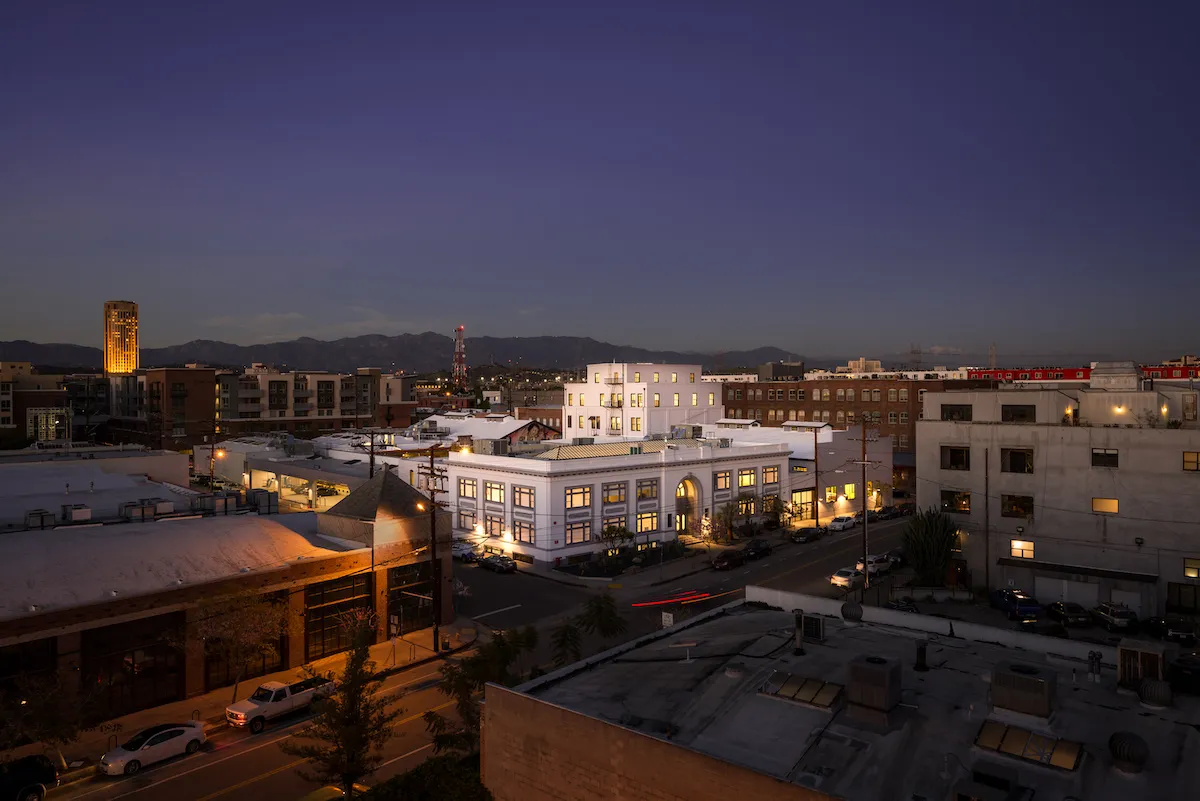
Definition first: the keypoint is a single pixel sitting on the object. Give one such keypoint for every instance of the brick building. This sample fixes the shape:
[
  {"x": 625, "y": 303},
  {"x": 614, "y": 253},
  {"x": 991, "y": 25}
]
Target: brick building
[{"x": 890, "y": 405}]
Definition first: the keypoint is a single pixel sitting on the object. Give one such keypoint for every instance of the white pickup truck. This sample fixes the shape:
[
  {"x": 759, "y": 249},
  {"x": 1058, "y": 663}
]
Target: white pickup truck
[{"x": 273, "y": 699}]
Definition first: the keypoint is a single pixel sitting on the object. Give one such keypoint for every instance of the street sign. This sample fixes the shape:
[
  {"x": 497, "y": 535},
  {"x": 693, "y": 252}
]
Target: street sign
[{"x": 668, "y": 619}]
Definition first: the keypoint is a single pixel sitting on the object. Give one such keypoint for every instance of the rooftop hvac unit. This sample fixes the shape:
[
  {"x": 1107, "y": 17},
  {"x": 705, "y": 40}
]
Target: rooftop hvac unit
[
  {"x": 687, "y": 432},
  {"x": 988, "y": 782},
  {"x": 76, "y": 512},
  {"x": 1021, "y": 687},
  {"x": 161, "y": 505},
  {"x": 491, "y": 447},
  {"x": 39, "y": 518},
  {"x": 137, "y": 510},
  {"x": 874, "y": 682},
  {"x": 265, "y": 501}
]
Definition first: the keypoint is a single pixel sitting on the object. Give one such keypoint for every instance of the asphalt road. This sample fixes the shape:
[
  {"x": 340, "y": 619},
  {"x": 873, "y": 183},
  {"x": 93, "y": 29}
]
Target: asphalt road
[{"x": 237, "y": 765}]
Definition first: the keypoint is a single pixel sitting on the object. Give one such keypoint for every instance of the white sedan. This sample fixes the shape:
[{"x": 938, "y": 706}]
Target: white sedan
[
  {"x": 841, "y": 523},
  {"x": 153, "y": 745},
  {"x": 875, "y": 565},
  {"x": 847, "y": 577}
]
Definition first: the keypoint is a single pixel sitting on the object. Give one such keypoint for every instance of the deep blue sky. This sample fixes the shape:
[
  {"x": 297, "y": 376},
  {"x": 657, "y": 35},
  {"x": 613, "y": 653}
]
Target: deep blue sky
[{"x": 828, "y": 177}]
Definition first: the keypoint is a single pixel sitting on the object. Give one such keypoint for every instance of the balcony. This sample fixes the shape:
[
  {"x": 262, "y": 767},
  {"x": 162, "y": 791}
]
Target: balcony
[
  {"x": 249, "y": 407},
  {"x": 246, "y": 392},
  {"x": 614, "y": 380},
  {"x": 302, "y": 407},
  {"x": 301, "y": 393},
  {"x": 612, "y": 404}
]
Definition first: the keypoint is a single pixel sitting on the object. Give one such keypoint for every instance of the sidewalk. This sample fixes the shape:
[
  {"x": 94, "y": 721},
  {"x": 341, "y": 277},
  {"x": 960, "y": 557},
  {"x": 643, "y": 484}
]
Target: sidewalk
[{"x": 391, "y": 656}]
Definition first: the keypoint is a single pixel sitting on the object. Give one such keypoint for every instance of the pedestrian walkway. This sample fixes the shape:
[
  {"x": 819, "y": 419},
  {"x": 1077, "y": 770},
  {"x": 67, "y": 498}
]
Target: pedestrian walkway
[{"x": 390, "y": 656}]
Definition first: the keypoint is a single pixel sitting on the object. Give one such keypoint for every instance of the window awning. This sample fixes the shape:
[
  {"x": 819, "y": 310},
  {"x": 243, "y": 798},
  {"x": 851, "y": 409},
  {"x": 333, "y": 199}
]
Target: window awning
[{"x": 1079, "y": 570}]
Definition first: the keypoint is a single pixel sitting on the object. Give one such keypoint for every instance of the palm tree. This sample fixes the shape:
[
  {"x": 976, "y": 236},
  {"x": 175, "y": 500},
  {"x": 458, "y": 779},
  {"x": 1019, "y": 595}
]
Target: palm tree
[{"x": 600, "y": 617}]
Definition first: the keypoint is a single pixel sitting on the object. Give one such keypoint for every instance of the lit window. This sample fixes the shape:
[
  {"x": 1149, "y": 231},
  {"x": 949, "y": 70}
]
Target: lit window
[
  {"x": 841, "y": 417},
  {"x": 824, "y": 394},
  {"x": 582, "y": 402},
  {"x": 691, "y": 378},
  {"x": 656, "y": 403},
  {"x": 695, "y": 399},
  {"x": 615, "y": 492},
  {"x": 647, "y": 489},
  {"x": 656, "y": 378},
  {"x": 570, "y": 398},
  {"x": 675, "y": 399},
  {"x": 1016, "y": 506},
  {"x": 494, "y": 526},
  {"x": 1191, "y": 461},
  {"x": 1191, "y": 568},
  {"x": 523, "y": 532},
  {"x": 579, "y": 532},
  {"x": 579, "y": 497},
  {"x": 1106, "y": 506},
  {"x": 466, "y": 488},
  {"x": 674, "y": 378},
  {"x": 637, "y": 378},
  {"x": 467, "y": 519},
  {"x": 647, "y": 522},
  {"x": 721, "y": 480},
  {"x": 1021, "y": 549},
  {"x": 958, "y": 503},
  {"x": 771, "y": 475},
  {"x": 613, "y": 522},
  {"x": 597, "y": 378},
  {"x": 746, "y": 506},
  {"x": 830, "y": 494},
  {"x": 800, "y": 415},
  {"x": 635, "y": 424},
  {"x": 602, "y": 398},
  {"x": 849, "y": 491},
  {"x": 523, "y": 497},
  {"x": 493, "y": 492},
  {"x": 747, "y": 477},
  {"x": 712, "y": 399}
]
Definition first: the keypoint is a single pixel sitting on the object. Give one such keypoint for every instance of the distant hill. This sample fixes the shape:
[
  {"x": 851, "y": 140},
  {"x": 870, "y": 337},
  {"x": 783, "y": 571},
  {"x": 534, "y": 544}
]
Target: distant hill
[{"x": 425, "y": 352}]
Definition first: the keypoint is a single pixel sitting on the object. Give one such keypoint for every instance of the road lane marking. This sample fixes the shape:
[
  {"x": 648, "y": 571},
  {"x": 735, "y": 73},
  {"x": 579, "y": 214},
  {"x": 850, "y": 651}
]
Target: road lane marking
[
  {"x": 250, "y": 781},
  {"x": 405, "y": 756},
  {"x": 497, "y": 611}
]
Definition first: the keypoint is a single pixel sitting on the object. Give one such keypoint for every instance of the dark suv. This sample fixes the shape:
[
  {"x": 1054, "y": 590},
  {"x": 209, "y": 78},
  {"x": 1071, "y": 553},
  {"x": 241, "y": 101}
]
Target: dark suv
[{"x": 27, "y": 779}]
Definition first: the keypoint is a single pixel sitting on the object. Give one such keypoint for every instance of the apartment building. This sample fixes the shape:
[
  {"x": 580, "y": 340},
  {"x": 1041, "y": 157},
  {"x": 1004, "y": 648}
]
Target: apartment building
[
  {"x": 1085, "y": 495},
  {"x": 33, "y": 407},
  {"x": 551, "y": 505},
  {"x": 304, "y": 403},
  {"x": 890, "y": 406},
  {"x": 634, "y": 400}
]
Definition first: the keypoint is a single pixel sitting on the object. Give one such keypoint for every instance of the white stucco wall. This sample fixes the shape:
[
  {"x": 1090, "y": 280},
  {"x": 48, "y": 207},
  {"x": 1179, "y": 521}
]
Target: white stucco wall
[{"x": 634, "y": 382}]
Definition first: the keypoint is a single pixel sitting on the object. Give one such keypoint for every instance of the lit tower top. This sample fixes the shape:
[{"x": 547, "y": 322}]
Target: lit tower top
[
  {"x": 120, "y": 336},
  {"x": 458, "y": 371}
]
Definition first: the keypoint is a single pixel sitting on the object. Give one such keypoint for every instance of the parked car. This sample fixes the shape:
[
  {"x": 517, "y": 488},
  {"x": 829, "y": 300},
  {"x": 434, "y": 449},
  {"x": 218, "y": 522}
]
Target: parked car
[
  {"x": 1023, "y": 607},
  {"x": 463, "y": 551},
  {"x": 728, "y": 559},
  {"x": 803, "y": 535},
  {"x": 756, "y": 549},
  {"x": 274, "y": 699},
  {"x": 1173, "y": 628},
  {"x": 847, "y": 577},
  {"x": 1115, "y": 617},
  {"x": 1068, "y": 613},
  {"x": 498, "y": 564},
  {"x": 842, "y": 523},
  {"x": 151, "y": 745},
  {"x": 888, "y": 513},
  {"x": 897, "y": 557},
  {"x": 28, "y": 778},
  {"x": 907, "y": 509},
  {"x": 872, "y": 517},
  {"x": 1047, "y": 628},
  {"x": 1001, "y": 598},
  {"x": 903, "y": 605},
  {"x": 874, "y": 565}
]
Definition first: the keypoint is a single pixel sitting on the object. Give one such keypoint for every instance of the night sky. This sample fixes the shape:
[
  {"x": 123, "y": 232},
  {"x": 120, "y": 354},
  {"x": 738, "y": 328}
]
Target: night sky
[{"x": 827, "y": 177}]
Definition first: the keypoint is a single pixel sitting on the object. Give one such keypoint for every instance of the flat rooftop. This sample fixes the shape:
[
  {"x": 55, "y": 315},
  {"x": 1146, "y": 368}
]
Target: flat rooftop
[
  {"x": 76, "y": 454},
  {"x": 730, "y": 687}
]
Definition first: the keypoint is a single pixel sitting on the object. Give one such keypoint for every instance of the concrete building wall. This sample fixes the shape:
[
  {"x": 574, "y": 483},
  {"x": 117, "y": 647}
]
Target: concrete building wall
[
  {"x": 1125, "y": 530},
  {"x": 534, "y": 751},
  {"x": 639, "y": 399}
]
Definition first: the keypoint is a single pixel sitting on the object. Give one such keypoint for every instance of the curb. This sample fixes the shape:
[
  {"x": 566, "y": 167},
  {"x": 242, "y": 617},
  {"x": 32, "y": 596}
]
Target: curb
[
  {"x": 218, "y": 723},
  {"x": 565, "y": 582},
  {"x": 705, "y": 569}
]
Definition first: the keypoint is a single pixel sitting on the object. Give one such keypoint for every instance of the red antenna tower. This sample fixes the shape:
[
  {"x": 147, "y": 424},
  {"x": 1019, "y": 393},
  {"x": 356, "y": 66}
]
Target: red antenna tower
[{"x": 458, "y": 371}]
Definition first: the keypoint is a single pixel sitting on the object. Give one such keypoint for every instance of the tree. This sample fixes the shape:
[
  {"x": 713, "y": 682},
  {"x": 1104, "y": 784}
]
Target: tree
[
  {"x": 727, "y": 519},
  {"x": 615, "y": 538},
  {"x": 773, "y": 511},
  {"x": 41, "y": 708},
  {"x": 463, "y": 683},
  {"x": 929, "y": 538},
  {"x": 448, "y": 777},
  {"x": 241, "y": 631},
  {"x": 351, "y": 725},
  {"x": 600, "y": 617}
]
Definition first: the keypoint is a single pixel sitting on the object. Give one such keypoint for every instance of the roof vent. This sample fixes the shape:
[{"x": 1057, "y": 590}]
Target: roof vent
[
  {"x": 1129, "y": 752},
  {"x": 1024, "y": 688},
  {"x": 874, "y": 682},
  {"x": 852, "y": 611},
  {"x": 1154, "y": 693}
]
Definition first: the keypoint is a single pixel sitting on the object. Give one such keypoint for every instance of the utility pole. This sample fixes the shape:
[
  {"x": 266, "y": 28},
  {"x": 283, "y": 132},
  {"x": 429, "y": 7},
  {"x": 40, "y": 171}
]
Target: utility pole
[
  {"x": 432, "y": 474},
  {"x": 816, "y": 479},
  {"x": 866, "y": 566},
  {"x": 372, "y": 452},
  {"x": 987, "y": 529}
]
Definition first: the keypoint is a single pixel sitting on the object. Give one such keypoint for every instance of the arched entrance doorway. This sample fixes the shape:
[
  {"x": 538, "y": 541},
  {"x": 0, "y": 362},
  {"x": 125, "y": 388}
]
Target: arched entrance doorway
[{"x": 687, "y": 504}]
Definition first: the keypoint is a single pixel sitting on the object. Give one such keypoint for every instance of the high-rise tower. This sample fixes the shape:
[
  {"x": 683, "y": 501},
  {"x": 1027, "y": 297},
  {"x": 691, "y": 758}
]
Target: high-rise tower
[
  {"x": 120, "y": 336},
  {"x": 458, "y": 371}
]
